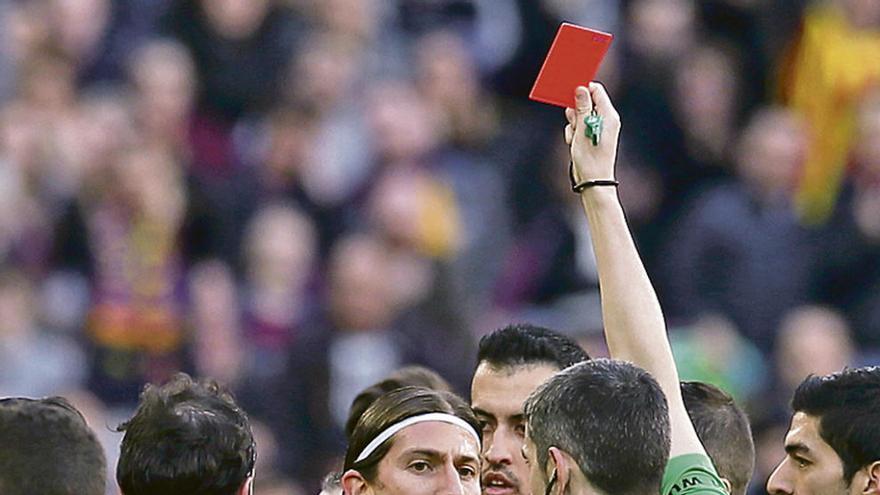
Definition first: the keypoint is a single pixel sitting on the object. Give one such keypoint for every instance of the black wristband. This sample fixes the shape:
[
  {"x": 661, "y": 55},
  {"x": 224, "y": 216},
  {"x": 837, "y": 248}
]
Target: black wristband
[{"x": 579, "y": 187}]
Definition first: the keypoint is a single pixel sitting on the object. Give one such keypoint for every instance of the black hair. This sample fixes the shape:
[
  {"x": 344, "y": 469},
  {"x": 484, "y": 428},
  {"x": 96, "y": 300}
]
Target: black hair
[
  {"x": 526, "y": 344},
  {"x": 46, "y": 448},
  {"x": 724, "y": 430},
  {"x": 186, "y": 437},
  {"x": 611, "y": 417},
  {"x": 847, "y": 404}
]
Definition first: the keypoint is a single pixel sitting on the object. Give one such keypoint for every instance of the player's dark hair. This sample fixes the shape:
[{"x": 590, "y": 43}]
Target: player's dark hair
[
  {"x": 847, "y": 404},
  {"x": 46, "y": 448},
  {"x": 724, "y": 430},
  {"x": 526, "y": 344},
  {"x": 186, "y": 437}
]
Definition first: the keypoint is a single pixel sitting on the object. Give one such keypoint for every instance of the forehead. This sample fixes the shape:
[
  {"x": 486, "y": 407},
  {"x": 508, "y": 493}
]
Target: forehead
[
  {"x": 444, "y": 438},
  {"x": 804, "y": 431},
  {"x": 502, "y": 391}
]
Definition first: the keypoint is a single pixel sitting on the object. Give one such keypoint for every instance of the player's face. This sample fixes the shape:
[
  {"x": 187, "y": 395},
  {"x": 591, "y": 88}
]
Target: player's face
[
  {"x": 810, "y": 466},
  {"x": 497, "y": 397},
  {"x": 428, "y": 459}
]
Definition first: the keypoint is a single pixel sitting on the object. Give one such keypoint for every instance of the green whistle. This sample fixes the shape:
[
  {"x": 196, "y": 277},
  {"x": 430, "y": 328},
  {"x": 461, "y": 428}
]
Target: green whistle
[{"x": 593, "y": 129}]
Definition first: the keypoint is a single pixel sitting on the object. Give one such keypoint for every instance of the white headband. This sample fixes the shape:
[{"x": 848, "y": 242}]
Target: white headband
[{"x": 391, "y": 430}]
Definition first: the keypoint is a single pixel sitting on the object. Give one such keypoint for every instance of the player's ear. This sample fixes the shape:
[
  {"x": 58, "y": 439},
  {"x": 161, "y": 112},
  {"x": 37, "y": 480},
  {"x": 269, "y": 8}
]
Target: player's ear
[
  {"x": 247, "y": 488},
  {"x": 562, "y": 467},
  {"x": 353, "y": 483},
  {"x": 872, "y": 479}
]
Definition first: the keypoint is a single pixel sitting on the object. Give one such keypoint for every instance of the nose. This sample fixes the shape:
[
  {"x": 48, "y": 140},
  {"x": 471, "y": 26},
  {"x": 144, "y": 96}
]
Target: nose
[
  {"x": 451, "y": 482},
  {"x": 779, "y": 482},
  {"x": 502, "y": 447}
]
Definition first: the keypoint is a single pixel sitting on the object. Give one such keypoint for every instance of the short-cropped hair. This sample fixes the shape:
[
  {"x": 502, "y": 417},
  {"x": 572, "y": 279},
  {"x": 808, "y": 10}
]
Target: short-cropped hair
[
  {"x": 724, "y": 430},
  {"x": 46, "y": 448},
  {"x": 525, "y": 344},
  {"x": 186, "y": 437},
  {"x": 611, "y": 417},
  {"x": 847, "y": 404}
]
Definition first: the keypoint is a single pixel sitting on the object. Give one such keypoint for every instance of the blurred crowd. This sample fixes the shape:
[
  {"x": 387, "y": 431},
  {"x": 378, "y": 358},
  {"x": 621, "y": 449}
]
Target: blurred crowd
[{"x": 296, "y": 197}]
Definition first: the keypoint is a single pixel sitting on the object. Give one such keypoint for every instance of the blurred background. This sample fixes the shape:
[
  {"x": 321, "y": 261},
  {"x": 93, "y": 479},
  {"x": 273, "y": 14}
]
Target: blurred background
[{"x": 296, "y": 197}]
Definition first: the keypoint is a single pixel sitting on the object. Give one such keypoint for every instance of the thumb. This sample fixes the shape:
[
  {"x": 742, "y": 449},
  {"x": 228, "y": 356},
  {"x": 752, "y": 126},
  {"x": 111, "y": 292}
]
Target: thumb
[
  {"x": 583, "y": 106},
  {"x": 583, "y": 101}
]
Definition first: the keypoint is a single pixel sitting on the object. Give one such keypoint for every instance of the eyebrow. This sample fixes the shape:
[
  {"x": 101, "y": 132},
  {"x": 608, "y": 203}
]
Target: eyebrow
[
  {"x": 480, "y": 412},
  {"x": 796, "y": 448},
  {"x": 516, "y": 417},
  {"x": 437, "y": 455}
]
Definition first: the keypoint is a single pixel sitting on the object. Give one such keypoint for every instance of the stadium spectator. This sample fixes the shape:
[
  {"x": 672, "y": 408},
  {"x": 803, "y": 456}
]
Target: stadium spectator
[{"x": 718, "y": 257}]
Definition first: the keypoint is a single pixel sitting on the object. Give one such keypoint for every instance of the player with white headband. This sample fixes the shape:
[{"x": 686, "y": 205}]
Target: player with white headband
[{"x": 414, "y": 441}]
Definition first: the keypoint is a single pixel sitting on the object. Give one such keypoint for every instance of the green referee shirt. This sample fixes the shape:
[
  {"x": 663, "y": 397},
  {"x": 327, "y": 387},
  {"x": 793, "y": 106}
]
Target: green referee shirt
[{"x": 691, "y": 474}]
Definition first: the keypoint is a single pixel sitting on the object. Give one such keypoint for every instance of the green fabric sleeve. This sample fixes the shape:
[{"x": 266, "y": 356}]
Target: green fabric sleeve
[{"x": 691, "y": 474}]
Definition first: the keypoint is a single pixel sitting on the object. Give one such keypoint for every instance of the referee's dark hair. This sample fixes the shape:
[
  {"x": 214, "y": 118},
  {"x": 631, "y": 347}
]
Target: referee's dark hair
[
  {"x": 526, "y": 344},
  {"x": 186, "y": 437},
  {"x": 724, "y": 429},
  {"x": 46, "y": 448},
  {"x": 611, "y": 417}
]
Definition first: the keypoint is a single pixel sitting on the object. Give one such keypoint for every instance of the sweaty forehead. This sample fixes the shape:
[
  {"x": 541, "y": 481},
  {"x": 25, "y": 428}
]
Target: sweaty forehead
[{"x": 502, "y": 391}]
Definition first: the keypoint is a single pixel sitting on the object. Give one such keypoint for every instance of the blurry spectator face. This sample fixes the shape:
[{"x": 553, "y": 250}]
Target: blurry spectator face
[
  {"x": 23, "y": 29},
  {"x": 235, "y": 19},
  {"x": 281, "y": 246},
  {"x": 150, "y": 182},
  {"x": 48, "y": 82},
  {"x": 497, "y": 397},
  {"x": 80, "y": 25},
  {"x": 397, "y": 207},
  {"x": 705, "y": 87},
  {"x": 813, "y": 340},
  {"x": 447, "y": 73},
  {"x": 164, "y": 76},
  {"x": 357, "y": 18},
  {"x": 325, "y": 70},
  {"x": 862, "y": 13},
  {"x": 400, "y": 121},
  {"x": 361, "y": 296},
  {"x": 772, "y": 150},
  {"x": 662, "y": 29},
  {"x": 813, "y": 467}
]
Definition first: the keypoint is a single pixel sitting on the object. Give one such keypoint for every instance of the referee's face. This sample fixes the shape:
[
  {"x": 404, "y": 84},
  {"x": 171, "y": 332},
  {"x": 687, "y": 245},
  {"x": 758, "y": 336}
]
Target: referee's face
[{"x": 497, "y": 397}]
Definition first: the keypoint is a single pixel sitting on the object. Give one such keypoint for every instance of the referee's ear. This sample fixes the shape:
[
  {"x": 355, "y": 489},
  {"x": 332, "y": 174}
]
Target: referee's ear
[
  {"x": 563, "y": 465},
  {"x": 728, "y": 487},
  {"x": 353, "y": 483}
]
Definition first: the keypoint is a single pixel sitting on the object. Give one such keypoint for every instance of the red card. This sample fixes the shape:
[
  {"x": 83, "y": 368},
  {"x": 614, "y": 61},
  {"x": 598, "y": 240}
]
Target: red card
[{"x": 573, "y": 61}]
